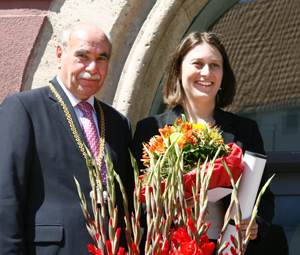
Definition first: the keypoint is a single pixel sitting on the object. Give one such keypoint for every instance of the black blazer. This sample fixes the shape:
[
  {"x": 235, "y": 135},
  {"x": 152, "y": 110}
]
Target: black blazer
[
  {"x": 242, "y": 131},
  {"x": 39, "y": 203}
]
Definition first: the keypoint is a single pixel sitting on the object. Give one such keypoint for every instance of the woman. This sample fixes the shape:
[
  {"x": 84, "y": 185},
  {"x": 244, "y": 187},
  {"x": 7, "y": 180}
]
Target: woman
[{"x": 199, "y": 82}]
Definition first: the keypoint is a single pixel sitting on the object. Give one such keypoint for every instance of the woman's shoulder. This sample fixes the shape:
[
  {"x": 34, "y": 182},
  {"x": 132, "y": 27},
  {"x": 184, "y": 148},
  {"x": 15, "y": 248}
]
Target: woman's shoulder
[
  {"x": 160, "y": 120},
  {"x": 235, "y": 119},
  {"x": 152, "y": 123}
]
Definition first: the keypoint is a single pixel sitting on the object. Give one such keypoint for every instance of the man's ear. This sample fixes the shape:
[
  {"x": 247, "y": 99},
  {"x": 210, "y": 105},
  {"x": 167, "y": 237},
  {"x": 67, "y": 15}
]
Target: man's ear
[{"x": 59, "y": 54}]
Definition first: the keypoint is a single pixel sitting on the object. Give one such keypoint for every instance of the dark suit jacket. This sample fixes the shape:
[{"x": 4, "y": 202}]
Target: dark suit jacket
[
  {"x": 39, "y": 203},
  {"x": 242, "y": 131}
]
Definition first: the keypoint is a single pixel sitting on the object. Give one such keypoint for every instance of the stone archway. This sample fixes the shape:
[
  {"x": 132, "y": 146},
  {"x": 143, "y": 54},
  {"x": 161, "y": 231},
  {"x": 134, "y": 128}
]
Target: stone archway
[{"x": 164, "y": 28}]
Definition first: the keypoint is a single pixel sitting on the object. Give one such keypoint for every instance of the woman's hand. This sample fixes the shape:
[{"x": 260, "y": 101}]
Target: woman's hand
[
  {"x": 190, "y": 203},
  {"x": 244, "y": 223},
  {"x": 253, "y": 231}
]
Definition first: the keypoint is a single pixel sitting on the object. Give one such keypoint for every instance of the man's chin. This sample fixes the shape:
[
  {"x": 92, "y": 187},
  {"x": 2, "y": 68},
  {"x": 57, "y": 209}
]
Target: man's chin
[{"x": 87, "y": 93}]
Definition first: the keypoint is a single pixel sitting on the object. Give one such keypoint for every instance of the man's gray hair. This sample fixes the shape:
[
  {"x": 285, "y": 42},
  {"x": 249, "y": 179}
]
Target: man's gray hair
[{"x": 66, "y": 38}]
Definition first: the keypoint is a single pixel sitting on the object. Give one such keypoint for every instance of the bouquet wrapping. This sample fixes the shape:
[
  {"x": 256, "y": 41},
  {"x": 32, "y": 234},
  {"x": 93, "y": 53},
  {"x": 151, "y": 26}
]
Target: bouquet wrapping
[{"x": 220, "y": 177}]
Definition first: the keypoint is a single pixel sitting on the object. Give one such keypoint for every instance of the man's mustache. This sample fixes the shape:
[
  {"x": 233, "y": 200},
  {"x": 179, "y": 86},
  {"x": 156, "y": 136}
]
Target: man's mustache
[{"x": 87, "y": 75}]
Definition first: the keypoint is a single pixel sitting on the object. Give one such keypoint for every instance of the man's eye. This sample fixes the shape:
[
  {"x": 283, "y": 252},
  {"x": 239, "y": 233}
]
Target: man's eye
[{"x": 102, "y": 58}]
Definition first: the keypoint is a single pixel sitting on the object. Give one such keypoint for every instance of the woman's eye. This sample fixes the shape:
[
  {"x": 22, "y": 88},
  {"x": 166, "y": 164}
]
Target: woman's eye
[
  {"x": 197, "y": 63},
  {"x": 216, "y": 65}
]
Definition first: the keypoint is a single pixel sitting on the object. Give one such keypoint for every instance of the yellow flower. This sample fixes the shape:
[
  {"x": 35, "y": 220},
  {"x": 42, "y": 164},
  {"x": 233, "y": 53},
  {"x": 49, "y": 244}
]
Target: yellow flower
[
  {"x": 174, "y": 136},
  {"x": 199, "y": 126}
]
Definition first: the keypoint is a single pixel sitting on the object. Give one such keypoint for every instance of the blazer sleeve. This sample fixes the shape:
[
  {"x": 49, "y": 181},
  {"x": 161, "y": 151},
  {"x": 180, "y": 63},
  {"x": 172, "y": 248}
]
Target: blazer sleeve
[
  {"x": 248, "y": 136},
  {"x": 145, "y": 129},
  {"x": 16, "y": 152},
  {"x": 267, "y": 205}
]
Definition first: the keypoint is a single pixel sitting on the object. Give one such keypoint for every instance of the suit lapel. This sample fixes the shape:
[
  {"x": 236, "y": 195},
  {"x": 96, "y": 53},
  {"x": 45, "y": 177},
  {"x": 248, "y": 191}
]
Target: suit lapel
[
  {"x": 225, "y": 122},
  {"x": 61, "y": 114}
]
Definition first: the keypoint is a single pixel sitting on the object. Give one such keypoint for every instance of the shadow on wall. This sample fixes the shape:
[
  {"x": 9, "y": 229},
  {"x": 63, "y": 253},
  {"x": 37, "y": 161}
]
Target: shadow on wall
[
  {"x": 39, "y": 48},
  {"x": 37, "y": 54}
]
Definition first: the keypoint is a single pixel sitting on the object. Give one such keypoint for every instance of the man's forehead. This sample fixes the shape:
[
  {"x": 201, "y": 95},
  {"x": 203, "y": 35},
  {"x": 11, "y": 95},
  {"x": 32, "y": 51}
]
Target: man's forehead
[
  {"x": 79, "y": 33},
  {"x": 89, "y": 32},
  {"x": 89, "y": 44}
]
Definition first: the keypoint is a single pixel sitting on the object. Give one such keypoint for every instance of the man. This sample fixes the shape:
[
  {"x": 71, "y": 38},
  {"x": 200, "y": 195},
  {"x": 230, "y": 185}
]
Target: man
[{"x": 39, "y": 155}]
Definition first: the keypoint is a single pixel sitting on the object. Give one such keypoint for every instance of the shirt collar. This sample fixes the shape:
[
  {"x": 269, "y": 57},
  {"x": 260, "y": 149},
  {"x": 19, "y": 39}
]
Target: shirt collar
[{"x": 74, "y": 100}]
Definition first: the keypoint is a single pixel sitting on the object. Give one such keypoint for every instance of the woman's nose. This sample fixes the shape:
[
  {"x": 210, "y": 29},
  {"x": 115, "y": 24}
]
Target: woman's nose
[{"x": 205, "y": 70}]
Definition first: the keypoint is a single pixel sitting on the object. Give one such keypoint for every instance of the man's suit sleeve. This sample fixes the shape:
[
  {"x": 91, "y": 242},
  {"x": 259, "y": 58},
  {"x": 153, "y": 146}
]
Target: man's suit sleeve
[
  {"x": 130, "y": 172},
  {"x": 16, "y": 142}
]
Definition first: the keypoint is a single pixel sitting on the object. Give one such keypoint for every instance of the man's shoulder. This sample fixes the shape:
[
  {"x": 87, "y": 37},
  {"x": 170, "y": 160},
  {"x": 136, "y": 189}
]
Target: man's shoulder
[
  {"x": 29, "y": 97},
  {"x": 30, "y": 94}
]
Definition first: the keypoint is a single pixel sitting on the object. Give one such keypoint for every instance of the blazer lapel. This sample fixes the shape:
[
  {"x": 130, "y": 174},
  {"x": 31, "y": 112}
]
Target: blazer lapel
[
  {"x": 226, "y": 124},
  {"x": 174, "y": 114},
  {"x": 61, "y": 114}
]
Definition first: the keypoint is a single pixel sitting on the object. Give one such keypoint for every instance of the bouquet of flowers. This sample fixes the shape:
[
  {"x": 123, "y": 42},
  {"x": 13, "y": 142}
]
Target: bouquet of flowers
[{"x": 198, "y": 143}]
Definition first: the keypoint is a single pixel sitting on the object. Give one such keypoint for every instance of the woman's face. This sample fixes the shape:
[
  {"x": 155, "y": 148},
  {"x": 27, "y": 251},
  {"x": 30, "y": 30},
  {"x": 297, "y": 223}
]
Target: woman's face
[{"x": 202, "y": 73}]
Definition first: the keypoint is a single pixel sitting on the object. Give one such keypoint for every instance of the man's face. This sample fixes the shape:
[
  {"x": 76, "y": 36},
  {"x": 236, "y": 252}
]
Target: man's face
[{"x": 84, "y": 66}]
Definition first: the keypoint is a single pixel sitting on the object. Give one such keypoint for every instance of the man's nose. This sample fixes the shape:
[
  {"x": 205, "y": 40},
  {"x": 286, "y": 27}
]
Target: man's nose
[{"x": 92, "y": 67}]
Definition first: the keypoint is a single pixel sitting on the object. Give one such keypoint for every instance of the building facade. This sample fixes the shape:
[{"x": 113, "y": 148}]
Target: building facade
[{"x": 262, "y": 38}]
